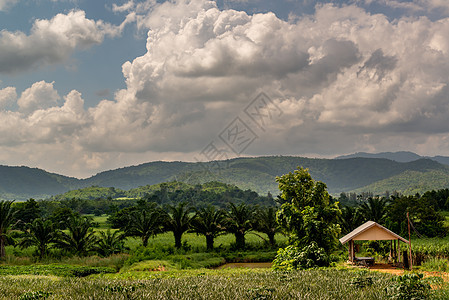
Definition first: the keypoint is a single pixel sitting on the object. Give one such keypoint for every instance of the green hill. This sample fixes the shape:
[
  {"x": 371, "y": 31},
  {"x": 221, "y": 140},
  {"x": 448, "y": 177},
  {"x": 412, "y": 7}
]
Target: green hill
[{"x": 258, "y": 174}]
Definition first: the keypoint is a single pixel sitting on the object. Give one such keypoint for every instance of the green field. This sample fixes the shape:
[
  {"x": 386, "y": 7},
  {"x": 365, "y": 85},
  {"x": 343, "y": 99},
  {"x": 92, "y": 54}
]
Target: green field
[{"x": 204, "y": 284}]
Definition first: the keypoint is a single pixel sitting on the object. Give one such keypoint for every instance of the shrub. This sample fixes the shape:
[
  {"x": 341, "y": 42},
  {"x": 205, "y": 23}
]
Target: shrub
[
  {"x": 294, "y": 258},
  {"x": 410, "y": 286},
  {"x": 436, "y": 264}
]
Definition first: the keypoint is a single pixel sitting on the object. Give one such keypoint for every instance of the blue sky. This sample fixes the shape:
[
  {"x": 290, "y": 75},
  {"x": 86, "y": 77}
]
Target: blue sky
[{"x": 87, "y": 86}]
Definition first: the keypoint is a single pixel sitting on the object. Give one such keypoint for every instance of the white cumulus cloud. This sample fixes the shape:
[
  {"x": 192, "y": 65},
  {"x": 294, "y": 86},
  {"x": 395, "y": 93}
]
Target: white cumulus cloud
[
  {"x": 346, "y": 80},
  {"x": 51, "y": 41}
]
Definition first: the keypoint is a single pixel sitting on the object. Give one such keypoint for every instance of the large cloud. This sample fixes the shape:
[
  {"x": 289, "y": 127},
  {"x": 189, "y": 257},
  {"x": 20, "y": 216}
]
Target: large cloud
[
  {"x": 349, "y": 81},
  {"x": 51, "y": 41}
]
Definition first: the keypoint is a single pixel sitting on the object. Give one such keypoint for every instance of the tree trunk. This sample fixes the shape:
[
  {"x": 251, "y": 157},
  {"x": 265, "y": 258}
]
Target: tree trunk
[
  {"x": 145, "y": 240},
  {"x": 209, "y": 242},
  {"x": 177, "y": 240},
  {"x": 271, "y": 238},
  {"x": 2, "y": 247},
  {"x": 240, "y": 240}
]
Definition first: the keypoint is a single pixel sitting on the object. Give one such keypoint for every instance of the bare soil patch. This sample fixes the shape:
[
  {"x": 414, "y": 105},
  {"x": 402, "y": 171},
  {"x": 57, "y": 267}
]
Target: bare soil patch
[{"x": 254, "y": 265}]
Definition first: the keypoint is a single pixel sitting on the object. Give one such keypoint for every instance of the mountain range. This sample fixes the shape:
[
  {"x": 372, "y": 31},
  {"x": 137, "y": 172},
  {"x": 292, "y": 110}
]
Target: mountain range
[
  {"x": 342, "y": 174},
  {"x": 400, "y": 156}
]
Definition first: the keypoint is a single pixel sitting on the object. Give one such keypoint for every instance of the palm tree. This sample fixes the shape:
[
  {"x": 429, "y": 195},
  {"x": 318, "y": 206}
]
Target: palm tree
[
  {"x": 39, "y": 233},
  {"x": 145, "y": 223},
  {"x": 265, "y": 222},
  {"x": 178, "y": 220},
  {"x": 239, "y": 221},
  {"x": 209, "y": 222},
  {"x": 80, "y": 238},
  {"x": 350, "y": 219},
  {"x": 111, "y": 242},
  {"x": 6, "y": 223},
  {"x": 375, "y": 209}
]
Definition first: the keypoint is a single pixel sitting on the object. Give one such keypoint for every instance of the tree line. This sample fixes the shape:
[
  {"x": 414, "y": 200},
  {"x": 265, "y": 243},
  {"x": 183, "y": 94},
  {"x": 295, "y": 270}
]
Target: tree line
[
  {"x": 424, "y": 211},
  {"x": 61, "y": 224},
  {"x": 74, "y": 233}
]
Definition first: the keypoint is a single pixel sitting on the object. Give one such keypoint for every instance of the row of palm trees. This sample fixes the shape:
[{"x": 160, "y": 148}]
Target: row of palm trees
[
  {"x": 208, "y": 221},
  {"x": 145, "y": 222}
]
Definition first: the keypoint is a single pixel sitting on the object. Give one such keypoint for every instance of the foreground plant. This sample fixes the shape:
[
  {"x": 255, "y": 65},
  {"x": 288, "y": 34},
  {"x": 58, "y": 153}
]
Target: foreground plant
[{"x": 410, "y": 286}]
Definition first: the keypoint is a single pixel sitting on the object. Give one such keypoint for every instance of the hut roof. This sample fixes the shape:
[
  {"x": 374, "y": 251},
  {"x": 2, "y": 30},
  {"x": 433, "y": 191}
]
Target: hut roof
[{"x": 371, "y": 231}]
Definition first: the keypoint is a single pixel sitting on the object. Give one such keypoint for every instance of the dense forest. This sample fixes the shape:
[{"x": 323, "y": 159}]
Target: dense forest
[{"x": 357, "y": 175}]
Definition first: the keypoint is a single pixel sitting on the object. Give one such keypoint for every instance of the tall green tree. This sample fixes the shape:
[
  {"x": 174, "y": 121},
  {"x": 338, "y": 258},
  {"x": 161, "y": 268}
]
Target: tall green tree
[
  {"x": 350, "y": 219},
  {"x": 239, "y": 221},
  {"x": 265, "y": 222},
  {"x": 145, "y": 223},
  {"x": 7, "y": 213},
  {"x": 80, "y": 238},
  {"x": 425, "y": 219},
  {"x": 27, "y": 212},
  {"x": 374, "y": 209},
  {"x": 39, "y": 233},
  {"x": 308, "y": 215},
  {"x": 178, "y": 220},
  {"x": 209, "y": 222}
]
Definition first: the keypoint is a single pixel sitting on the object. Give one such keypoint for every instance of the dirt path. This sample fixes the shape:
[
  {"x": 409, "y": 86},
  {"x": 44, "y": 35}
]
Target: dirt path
[
  {"x": 246, "y": 265},
  {"x": 385, "y": 268}
]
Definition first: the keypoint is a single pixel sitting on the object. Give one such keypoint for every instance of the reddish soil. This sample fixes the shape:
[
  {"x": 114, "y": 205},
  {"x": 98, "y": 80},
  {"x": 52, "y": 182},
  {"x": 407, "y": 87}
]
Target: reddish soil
[
  {"x": 385, "y": 268},
  {"x": 246, "y": 265}
]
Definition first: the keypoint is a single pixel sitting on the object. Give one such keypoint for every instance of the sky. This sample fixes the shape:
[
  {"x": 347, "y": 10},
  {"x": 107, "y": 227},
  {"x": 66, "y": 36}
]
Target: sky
[{"x": 88, "y": 86}]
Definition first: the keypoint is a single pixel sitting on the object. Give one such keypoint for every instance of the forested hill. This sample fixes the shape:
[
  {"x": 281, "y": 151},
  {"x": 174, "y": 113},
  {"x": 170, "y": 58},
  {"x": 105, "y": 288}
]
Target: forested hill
[
  {"x": 258, "y": 174},
  {"x": 24, "y": 182}
]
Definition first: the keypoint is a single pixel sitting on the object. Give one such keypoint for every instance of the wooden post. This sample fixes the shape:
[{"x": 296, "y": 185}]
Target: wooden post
[{"x": 409, "y": 243}]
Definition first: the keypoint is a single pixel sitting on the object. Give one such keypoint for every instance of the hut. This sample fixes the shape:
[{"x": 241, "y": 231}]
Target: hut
[{"x": 371, "y": 231}]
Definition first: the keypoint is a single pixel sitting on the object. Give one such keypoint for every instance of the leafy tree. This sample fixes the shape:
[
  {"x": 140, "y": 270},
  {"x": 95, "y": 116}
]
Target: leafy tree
[
  {"x": 178, "y": 220},
  {"x": 239, "y": 221},
  {"x": 426, "y": 220},
  {"x": 6, "y": 223},
  {"x": 61, "y": 215},
  {"x": 27, "y": 212},
  {"x": 350, "y": 219},
  {"x": 309, "y": 216},
  {"x": 145, "y": 223},
  {"x": 80, "y": 238},
  {"x": 209, "y": 222},
  {"x": 40, "y": 233},
  {"x": 265, "y": 222},
  {"x": 374, "y": 209},
  {"x": 110, "y": 242}
]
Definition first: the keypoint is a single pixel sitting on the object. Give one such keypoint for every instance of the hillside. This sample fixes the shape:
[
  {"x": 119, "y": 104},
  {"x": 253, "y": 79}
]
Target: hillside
[
  {"x": 24, "y": 182},
  {"x": 400, "y": 156},
  {"x": 258, "y": 174}
]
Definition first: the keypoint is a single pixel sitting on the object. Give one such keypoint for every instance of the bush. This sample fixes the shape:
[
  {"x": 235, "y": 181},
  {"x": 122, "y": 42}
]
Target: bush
[
  {"x": 410, "y": 286},
  {"x": 436, "y": 264},
  {"x": 294, "y": 258}
]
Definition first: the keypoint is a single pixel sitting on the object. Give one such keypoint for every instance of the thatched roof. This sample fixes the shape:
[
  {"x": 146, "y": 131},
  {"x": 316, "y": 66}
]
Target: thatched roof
[{"x": 371, "y": 231}]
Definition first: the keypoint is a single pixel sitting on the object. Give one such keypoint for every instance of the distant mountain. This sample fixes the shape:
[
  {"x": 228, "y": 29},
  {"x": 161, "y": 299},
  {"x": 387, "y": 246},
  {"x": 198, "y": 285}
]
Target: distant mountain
[
  {"x": 258, "y": 174},
  {"x": 24, "y": 182},
  {"x": 400, "y": 156}
]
